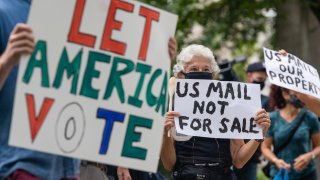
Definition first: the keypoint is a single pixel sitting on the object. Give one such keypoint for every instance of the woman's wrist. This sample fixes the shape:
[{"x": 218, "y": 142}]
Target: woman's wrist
[
  {"x": 273, "y": 160},
  {"x": 313, "y": 155}
]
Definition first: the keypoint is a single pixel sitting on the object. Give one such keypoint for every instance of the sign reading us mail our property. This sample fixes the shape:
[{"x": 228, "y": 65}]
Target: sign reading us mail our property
[
  {"x": 217, "y": 109},
  {"x": 290, "y": 72},
  {"x": 95, "y": 86}
]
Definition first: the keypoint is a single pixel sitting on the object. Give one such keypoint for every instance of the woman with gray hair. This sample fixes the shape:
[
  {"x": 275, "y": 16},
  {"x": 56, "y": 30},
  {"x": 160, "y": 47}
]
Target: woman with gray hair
[{"x": 200, "y": 157}]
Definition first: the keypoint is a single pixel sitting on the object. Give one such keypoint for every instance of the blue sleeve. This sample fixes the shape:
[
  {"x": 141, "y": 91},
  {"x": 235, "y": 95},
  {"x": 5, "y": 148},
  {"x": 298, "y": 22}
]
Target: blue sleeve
[
  {"x": 71, "y": 167},
  {"x": 2, "y": 35},
  {"x": 313, "y": 122}
]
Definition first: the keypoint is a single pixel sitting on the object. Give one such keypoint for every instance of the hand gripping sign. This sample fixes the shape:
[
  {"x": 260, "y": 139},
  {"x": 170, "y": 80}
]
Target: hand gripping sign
[
  {"x": 217, "y": 109},
  {"x": 95, "y": 86}
]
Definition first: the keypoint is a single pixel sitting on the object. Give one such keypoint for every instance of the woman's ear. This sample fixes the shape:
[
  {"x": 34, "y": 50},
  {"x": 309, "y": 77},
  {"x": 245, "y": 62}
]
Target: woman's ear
[
  {"x": 180, "y": 75},
  {"x": 214, "y": 77}
]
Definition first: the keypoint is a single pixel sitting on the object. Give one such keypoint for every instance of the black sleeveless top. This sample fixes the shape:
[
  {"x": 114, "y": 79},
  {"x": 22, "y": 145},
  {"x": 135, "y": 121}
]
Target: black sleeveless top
[{"x": 201, "y": 149}]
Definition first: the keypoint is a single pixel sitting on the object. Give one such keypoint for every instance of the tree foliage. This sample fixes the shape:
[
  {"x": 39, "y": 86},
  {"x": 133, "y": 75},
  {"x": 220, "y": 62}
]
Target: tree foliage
[
  {"x": 236, "y": 21},
  {"x": 234, "y": 24}
]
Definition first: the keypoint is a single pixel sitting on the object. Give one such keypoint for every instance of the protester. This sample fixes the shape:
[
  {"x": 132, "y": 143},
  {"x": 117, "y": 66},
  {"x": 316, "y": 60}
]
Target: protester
[
  {"x": 255, "y": 73},
  {"x": 206, "y": 157},
  {"x": 294, "y": 134},
  {"x": 16, "y": 163}
]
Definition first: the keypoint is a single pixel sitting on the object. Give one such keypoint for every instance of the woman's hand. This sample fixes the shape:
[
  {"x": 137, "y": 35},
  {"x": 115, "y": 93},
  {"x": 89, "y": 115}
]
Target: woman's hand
[
  {"x": 263, "y": 120},
  {"x": 172, "y": 44},
  {"x": 302, "y": 161},
  {"x": 169, "y": 120},
  {"x": 283, "y": 52},
  {"x": 281, "y": 164},
  {"x": 123, "y": 173},
  {"x": 21, "y": 41}
]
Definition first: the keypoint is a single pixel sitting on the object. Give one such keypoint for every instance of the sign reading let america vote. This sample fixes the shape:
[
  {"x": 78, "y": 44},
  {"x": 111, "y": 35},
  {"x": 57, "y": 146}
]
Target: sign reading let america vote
[{"x": 95, "y": 86}]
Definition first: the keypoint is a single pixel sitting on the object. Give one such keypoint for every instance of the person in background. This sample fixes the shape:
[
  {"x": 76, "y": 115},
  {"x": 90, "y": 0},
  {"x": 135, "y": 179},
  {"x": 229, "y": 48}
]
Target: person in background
[
  {"x": 15, "y": 163},
  {"x": 292, "y": 121},
  {"x": 199, "y": 157},
  {"x": 255, "y": 73}
]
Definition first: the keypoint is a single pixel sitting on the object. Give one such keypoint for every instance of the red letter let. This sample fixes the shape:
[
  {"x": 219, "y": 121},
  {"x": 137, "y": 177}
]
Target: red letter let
[
  {"x": 111, "y": 23},
  {"x": 74, "y": 35},
  {"x": 150, "y": 16}
]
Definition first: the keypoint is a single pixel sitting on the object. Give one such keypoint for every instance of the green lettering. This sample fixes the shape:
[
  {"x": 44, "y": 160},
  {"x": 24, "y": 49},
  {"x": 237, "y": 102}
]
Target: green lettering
[
  {"x": 41, "y": 47},
  {"x": 71, "y": 68},
  {"x": 132, "y": 136},
  {"x": 90, "y": 73},
  {"x": 163, "y": 95},
  {"x": 143, "y": 69},
  {"x": 151, "y": 99},
  {"x": 115, "y": 77}
]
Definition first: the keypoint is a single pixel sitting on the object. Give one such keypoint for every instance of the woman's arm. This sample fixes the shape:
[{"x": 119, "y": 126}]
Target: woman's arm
[
  {"x": 311, "y": 103},
  {"x": 241, "y": 152},
  {"x": 168, "y": 153},
  {"x": 21, "y": 41},
  {"x": 266, "y": 151},
  {"x": 303, "y": 160}
]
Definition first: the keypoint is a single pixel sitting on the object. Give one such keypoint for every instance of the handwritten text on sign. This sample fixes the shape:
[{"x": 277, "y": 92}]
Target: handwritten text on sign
[
  {"x": 217, "y": 109},
  {"x": 95, "y": 86},
  {"x": 290, "y": 72}
]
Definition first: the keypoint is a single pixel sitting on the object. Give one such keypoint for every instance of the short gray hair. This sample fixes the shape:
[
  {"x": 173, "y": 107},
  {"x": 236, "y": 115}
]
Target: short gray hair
[{"x": 189, "y": 52}]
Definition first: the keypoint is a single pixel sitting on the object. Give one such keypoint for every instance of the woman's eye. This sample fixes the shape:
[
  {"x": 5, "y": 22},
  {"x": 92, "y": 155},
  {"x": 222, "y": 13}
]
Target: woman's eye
[{"x": 194, "y": 69}]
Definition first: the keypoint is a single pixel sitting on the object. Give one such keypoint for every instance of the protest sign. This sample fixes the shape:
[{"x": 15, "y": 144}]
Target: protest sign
[
  {"x": 95, "y": 86},
  {"x": 217, "y": 109},
  {"x": 290, "y": 72}
]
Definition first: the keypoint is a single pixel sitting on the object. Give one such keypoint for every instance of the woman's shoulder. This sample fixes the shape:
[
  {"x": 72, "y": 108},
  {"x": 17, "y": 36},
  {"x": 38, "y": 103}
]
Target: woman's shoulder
[{"x": 310, "y": 114}]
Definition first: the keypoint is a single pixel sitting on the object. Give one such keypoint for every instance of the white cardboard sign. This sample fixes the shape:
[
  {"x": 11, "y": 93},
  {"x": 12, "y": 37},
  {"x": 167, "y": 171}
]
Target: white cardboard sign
[
  {"x": 290, "y": 72},
  {"x": 217, "y": 109},
  {"x": 95, "y": 86}
]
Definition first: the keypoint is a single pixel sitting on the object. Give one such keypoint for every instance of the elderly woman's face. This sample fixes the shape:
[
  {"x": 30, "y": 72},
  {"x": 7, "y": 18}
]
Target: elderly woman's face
[{"x": 198, "y": 64}]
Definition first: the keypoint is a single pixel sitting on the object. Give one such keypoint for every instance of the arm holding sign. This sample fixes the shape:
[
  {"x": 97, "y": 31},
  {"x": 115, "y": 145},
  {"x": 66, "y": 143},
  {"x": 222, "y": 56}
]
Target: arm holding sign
[
  {"x": 198, "y": 62},
  {"x": 242, "y": 152},
  {"x": 21, "y": 41},
  {"x": 168, "y": 154},
  {"x": 310, "y": 102},
  {"x": 17, "y": 39}
]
